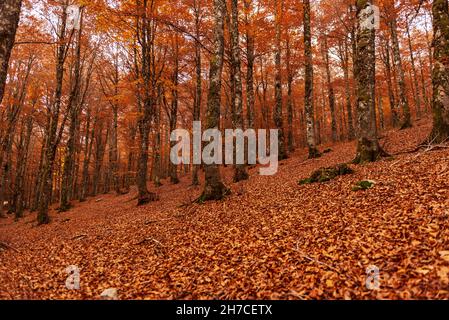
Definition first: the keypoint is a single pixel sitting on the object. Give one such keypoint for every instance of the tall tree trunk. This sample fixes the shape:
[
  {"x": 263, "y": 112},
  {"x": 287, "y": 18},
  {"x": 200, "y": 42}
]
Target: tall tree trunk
[
  {"x": 146, "y": 42},
  {"x": 19, "y": 184},
  {"x": 214, "y": 188},
  {"x": 172, "y": 168},
  {"x": 39, "y": 175},
  {"x": 440, "y": 72},
  {"x": 308, "y": 96},
  {"x": 388, "y": 75},
  {"x": 278, "y": 119},
  {"x": 198, "y": 87},
  {"x": 9, "y": 21},
  {"x": 113, "y": 159},
  {"x": 157, "y": 161},
  {"x": 403, "y": 100},
  {"x": 89, "y": 139},
  {"x": 368, "y": 148},
  {"x": 100, "y": 148},
  {"x": 240, "y": 170},
  {"x": 250, "y": 55},
  {"x": 415, "y": 75},
  {"x": 380, "y": 107},
  {"x": 52, "y": 141},
  {"x": 129, "y": 178},
  {"x": 330, "y": 90},
  {"x": 67, "y": 178},
  {"x": 290, "y": 138},
  {"x": 344, "y": 56},
  {"x": 423, "y": 83}
]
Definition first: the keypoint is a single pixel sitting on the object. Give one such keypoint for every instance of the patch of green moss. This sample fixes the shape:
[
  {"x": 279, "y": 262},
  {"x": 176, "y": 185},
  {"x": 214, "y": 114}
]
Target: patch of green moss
[
  {"x": 327, "y": 174},
  {"x": 363, "y": 185}
]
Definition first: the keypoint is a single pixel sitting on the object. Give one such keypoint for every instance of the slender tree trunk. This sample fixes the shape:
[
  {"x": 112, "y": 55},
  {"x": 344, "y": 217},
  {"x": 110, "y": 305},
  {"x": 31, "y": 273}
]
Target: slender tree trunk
[
  {"x": 423, "y": 84},
  {"x": 87, "y": 155},
  {"x": 388, "y": 75},
  {"x": 278, "y": 118},
  {"x": 345, "y": 64},
  {"x": 403, "y": 100},
  {"x": 157, "y": 163},
  {"x": 19, "y": 192},
  {"x": 308, "y": 97},
  {"x": 100, "y": 148},
  {"x": 37, "y": 193},
  {"x": 250, "y": 54},
  {"x": 380, "y": 107},
  {"x": 174, "y": 111},
  {"x": 67, "y": 178},
  {"x": 146, "y": 42},
  {"x": 415, "y": 75},
  {"x": 114, "y": 161},
  {"x": 290, "y": 137},
  {"x": 131, "y": 155},
  {"x": 198, "y": 87},
  {"x": 240, "y": 170},
  {"x": 330, "y": 91}
]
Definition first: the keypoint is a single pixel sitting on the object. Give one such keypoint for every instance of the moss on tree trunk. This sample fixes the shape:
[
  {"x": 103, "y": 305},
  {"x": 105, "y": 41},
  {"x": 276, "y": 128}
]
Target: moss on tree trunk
[
  {"x": 440, "y": 72},
  {"x": 214, "y": 188},
  {"x": 368, "y": 148}
]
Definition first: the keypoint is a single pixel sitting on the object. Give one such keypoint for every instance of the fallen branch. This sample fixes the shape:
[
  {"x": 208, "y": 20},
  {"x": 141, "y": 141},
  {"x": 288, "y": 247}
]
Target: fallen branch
[
  {"x": 80, "y": 236},
  {"x": 5, "y": 246},
  {"x": 428, "y": 148}
]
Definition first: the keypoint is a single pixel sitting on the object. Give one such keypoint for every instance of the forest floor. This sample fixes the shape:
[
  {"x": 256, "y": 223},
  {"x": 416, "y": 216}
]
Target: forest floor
[{"x": 271, "y": 238}]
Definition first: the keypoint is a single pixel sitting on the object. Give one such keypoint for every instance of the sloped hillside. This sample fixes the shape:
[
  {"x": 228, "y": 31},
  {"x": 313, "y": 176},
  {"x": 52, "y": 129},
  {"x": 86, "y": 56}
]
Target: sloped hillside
[{"x": 271, "y": 238}]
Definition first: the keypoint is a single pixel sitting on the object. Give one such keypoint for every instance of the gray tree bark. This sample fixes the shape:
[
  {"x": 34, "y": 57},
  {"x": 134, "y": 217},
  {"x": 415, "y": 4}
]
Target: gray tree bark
[
  {"x": 403, "y": 100},
  {"x": 240, "y": 170},
  {"x": 308, "y": 97},
  {"x": 278, "y": 119},
  {"x": 440, "y": 72},
  {"x": 368, "y": 148},
  {"x": 9, "y": 21},
  {"x": 214, "y": 188}
]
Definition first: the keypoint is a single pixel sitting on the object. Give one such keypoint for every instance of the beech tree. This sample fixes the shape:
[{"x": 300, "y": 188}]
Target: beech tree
[
  {"x": 54, "y": 134},
  {"x": 9, "y": 20},
  {"x": 240, "y": 171},
  {"x": 308, "y": 96},
  {"x": 198, "y": 79},
  {"x": 403, "y": 99},
  {"x": 145, "y": 38},
  {"x": 368, "y": 148},
  {"x": 214, "y": 188},
  {"x": 440, "y": 72},
  {"x": 278, "y": 116}
]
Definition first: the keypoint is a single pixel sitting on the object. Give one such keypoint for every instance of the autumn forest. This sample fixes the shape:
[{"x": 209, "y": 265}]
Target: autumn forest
[{"x": 348, "y": 101}]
